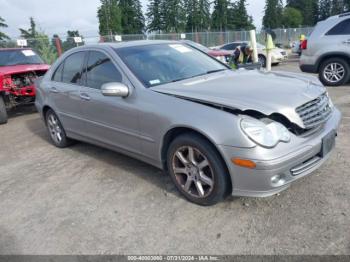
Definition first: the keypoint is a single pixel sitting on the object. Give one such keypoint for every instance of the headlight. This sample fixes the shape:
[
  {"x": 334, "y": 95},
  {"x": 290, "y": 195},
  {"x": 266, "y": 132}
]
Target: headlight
[{"x": 266, "y": 135}]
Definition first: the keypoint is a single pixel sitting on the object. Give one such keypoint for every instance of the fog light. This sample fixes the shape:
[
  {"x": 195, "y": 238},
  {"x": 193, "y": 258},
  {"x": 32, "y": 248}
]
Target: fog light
[{"x": 275, "y": 179}]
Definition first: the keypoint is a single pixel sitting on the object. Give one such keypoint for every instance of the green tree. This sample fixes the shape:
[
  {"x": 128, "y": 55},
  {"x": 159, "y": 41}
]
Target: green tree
[
  {"x": 69, "y": 43},
  {"x": 292, "y": 17},
  {"x": 154, "y": 16},
  {"x": 308, "y": 9},
  {"x": 132, "y": 19},
  {"x": 238, "y": 18},
  {"x": 173, "y": 16},
  {"x": 197, "y": 15},
  {"x": 220, "y": 15},
  {"x": 273, "y": 14},
  {"x": 45, "y": 49},
  {"x": 3, "y": 36},
  {"x": 339, "y": 6},
  {"x": 325, "y": 9},
  {"x": 31, "y": 32},
  {"x": 109, "y": 17}
]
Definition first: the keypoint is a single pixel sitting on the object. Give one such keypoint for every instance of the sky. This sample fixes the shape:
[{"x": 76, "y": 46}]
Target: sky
[{"x": 58, "y": 16}]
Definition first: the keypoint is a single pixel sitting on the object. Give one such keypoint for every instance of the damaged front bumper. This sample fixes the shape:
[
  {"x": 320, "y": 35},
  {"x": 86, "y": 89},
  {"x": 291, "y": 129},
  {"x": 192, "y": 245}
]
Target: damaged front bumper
[{"x": 277, "y": 168}]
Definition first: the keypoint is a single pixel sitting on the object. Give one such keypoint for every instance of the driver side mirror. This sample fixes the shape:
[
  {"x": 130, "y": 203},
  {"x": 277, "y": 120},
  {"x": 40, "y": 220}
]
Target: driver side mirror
[{"x": 115, "y": 89}]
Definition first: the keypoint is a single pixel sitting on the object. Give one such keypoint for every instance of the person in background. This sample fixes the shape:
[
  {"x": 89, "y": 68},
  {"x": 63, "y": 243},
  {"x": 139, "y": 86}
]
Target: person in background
[{"x": 242, "y": 55}]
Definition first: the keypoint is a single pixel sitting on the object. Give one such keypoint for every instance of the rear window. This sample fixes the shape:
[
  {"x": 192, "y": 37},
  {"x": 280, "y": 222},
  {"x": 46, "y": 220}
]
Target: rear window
[{"x": 343, "y": 28}]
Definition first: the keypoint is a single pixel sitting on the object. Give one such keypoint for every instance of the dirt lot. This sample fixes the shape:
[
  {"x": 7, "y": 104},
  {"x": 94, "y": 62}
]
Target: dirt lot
[{"x": 88, "y": 200}]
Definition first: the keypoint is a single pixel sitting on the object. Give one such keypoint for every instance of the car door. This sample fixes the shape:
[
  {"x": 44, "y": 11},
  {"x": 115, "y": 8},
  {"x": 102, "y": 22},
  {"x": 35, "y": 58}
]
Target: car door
[
  {"x": 339, "y": 36},
  {"x": 110, "y": 120},
  {"x": 65, "y": 91}
]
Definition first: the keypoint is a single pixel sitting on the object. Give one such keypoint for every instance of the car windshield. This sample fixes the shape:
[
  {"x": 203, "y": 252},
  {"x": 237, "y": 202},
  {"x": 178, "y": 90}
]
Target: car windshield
[
  {"x": 198, "y": 46},
  {"x": 165, "y": 63},
  {"x": 19, "y": 57}
]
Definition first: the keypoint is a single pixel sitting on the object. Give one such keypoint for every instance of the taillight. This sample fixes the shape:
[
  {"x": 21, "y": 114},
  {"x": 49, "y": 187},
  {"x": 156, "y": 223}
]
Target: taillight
[{"x": 303, "y": 45}]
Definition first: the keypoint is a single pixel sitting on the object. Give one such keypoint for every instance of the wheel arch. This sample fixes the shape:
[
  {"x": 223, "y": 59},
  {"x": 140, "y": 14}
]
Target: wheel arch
[
  {"x": 180, "y": 130},
  {"x": 324, "y": 57},
  {"x": 44, "y": 111}
]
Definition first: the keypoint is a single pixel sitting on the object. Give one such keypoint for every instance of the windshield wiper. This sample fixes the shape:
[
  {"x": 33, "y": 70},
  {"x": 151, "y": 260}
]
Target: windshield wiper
[
  {"x": 203, "y": 74},
  {"x": 215, "y": 71}
]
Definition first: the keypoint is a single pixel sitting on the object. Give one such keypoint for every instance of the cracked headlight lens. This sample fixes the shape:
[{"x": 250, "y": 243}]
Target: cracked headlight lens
[{"x": 266, "y": 135}]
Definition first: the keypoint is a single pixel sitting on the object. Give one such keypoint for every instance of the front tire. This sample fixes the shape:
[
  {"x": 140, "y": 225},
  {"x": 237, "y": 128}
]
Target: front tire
[
  {"x": 262, "y": 60},
  {"x": 334, "y": 72},
  {"x": 56, "y": 131},
  {"x": 3, "y": 112},
  {"x": 197, "y": 170}
]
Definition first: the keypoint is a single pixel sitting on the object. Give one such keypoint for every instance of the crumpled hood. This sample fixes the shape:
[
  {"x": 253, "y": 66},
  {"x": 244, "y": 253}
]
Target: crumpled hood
[
  {"x": 268, "y": 93},
  {"x": 15, "y": 69}
]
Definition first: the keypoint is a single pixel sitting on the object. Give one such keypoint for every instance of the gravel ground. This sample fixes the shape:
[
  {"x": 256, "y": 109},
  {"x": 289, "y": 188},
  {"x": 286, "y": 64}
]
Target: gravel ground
[{"x": 88, "y": 200}]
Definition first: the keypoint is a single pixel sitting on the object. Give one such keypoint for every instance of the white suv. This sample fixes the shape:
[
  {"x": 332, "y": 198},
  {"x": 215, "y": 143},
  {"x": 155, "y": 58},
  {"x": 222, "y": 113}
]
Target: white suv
[{"x": 327, "y": 51}]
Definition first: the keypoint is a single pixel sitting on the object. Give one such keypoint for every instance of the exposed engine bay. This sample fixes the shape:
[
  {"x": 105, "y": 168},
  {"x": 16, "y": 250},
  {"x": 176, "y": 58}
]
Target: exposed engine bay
[{"x": 20, "y": 89}]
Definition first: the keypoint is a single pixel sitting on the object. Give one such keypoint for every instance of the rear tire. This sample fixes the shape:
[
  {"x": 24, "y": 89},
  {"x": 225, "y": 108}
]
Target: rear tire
[
  {"x": 3, "y": 112},
  {"x": 334, "y": 72},
  {"x": 197, "y": 170},
  {"x": 56, "y": 131}
]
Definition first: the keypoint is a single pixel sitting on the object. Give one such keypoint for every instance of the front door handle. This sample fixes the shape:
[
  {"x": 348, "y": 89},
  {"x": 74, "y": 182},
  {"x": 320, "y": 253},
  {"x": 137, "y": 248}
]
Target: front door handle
[
  {"x": 54, "y": 90},
  {"x": 85, "y": 96}
]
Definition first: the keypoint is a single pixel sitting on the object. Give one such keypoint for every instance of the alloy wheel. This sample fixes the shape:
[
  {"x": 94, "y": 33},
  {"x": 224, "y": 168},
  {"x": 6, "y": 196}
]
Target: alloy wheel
[
  {"x": 193, "y": 172},
  {"x": 334, "y": 72},
  {"x": 55, "y": 128}
]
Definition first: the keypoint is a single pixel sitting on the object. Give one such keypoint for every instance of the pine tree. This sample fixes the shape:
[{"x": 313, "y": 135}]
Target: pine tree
[
  {"x": 154, "y": 16},
  {"x": 197, "y": 15},
  {"x": 238, "y": 18},
  {"x": 31, "y": 32},
  {"x": 220, "y": 15},
  {"x": 325, "y": 9},
  {"x": 273, "y": 14},
  {"x": 132, "y": 20},
  {"x": 173, "y": 16},
  {"x": 109, "y": 16},
  {"x": 3, "y": 36}
]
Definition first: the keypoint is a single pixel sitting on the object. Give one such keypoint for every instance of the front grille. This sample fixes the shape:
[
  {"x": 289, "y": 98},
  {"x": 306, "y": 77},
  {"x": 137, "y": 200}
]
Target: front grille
[
  {"x": 306, "y": 166},
  {"x": 315, "y": 112}
]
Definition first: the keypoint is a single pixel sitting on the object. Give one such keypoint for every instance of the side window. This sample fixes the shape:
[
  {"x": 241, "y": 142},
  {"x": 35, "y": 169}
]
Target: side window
[
  {"x": 343, "y": 28},
  {"x": 57, "y": 76},
  {"x": 100, "y": 70},
  {"x": 228, "y": 47},
  {"x": 73, "y": 67}
]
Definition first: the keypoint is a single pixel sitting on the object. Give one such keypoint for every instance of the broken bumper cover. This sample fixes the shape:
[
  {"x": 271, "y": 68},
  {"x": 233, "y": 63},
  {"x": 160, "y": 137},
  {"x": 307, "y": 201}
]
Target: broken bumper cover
[{"x": 277, "y": 168}]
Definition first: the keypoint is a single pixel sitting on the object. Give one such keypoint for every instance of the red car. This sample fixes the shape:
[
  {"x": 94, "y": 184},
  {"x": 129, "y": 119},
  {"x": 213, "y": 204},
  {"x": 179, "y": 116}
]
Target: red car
[
  {"x": 19, "y": 68},
  {"x": 221, "y": 55}
]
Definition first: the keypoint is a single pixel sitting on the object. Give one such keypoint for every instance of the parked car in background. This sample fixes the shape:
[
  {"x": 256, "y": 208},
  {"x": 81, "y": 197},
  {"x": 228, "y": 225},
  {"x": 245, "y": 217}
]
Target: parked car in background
[
  {"x": 216, "y": 131},
  {"x": 222, "y": 55},
  {"x": 327, "y": 51},
  {"x": 278, "y": 55},
  {"x": 19, "y": 68}
]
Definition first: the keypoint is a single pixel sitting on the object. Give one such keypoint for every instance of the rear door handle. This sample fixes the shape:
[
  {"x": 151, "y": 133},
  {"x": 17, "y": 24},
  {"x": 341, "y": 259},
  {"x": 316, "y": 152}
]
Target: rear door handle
[
  {"x": 54, "y": 90},
  {"x": 85, "y": 96}
]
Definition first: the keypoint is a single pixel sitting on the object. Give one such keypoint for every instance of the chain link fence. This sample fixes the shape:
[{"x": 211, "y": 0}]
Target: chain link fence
[{"x": 50, "y": 49}]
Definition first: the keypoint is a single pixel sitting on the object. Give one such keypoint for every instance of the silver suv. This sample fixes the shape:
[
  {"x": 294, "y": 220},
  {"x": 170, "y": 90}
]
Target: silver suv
[{"x": 327, "y": 51}]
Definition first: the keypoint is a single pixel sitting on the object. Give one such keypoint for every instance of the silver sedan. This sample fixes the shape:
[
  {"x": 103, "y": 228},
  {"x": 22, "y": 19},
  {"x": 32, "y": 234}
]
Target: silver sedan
[{"x": 215, "y": 131}]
